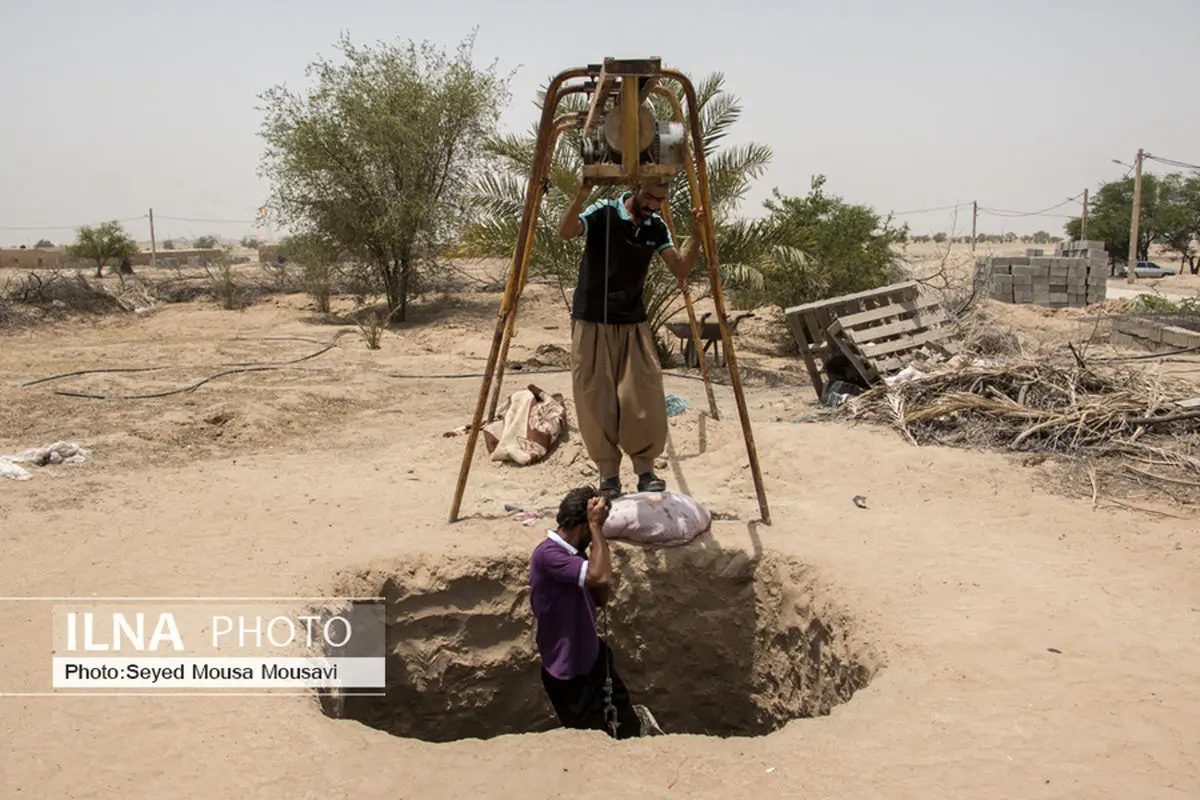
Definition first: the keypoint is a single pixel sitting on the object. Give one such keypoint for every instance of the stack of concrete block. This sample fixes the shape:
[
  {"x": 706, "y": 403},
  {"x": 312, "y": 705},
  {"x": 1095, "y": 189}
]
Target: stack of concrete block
[
  {"x": 1152, "y": 335},
  {"x": 1075, "y": 276}
]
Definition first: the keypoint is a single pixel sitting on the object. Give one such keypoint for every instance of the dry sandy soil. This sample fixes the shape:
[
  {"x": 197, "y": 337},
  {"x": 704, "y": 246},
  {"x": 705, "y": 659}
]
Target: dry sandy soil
[{"x": 971, "y": 632}]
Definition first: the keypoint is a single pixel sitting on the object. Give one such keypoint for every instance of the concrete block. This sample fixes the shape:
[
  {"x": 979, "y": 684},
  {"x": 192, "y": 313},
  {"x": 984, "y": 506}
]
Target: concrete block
[
  {"x": 1089, "y": 244},
  {"x": 1180, "y": 337},
  {"x": 1022, "y": 280},
  {"x": 1033, "y": 251},
  {"x": 1042, "y": 261},
  {"x": 1059, "y": 297},
  {"x": 1018, "y": 261},
  {"x": 1122, "y": 339},
  {"x": 1004, "y": 269}
]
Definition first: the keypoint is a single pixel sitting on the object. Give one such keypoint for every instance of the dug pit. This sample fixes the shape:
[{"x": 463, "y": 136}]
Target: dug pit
[{"x": 713, "y": 642}]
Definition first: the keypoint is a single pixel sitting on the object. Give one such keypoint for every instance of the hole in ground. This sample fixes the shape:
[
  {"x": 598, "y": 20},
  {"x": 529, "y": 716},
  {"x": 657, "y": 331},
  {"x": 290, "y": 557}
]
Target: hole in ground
[{"x": 712, "y": 642}]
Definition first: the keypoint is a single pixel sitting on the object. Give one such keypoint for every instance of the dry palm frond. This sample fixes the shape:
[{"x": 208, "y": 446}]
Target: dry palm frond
[{"x": 1082, "y": 412}]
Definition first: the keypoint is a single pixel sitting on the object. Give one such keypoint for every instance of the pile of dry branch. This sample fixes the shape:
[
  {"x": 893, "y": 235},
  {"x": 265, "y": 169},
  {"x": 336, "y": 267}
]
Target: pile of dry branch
[{"x": 1123, "y": 418}]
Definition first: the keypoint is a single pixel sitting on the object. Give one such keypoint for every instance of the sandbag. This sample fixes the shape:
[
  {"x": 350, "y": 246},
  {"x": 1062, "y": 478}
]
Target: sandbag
[
  {"x": 526, "y": 426},
  {"x": 662, "y": 519}
]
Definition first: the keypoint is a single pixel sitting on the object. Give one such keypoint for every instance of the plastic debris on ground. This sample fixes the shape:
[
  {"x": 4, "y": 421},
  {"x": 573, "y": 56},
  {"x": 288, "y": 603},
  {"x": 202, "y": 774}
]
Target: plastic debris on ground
[
  {"x": 909, "y": 373},
  {"x": 676, "y": 405},
  {"x": 527, "y": 518},
  {"x": 837, "y": 392},
  {"x": 57, "y": 453}
]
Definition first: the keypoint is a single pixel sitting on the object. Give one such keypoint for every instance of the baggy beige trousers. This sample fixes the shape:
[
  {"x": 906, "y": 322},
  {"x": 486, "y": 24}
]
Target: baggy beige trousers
[{"x": 618, "y": 390}]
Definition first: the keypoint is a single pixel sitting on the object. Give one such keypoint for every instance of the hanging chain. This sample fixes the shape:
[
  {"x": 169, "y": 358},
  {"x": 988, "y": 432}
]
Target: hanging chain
[{"x": 610, "y": 710}]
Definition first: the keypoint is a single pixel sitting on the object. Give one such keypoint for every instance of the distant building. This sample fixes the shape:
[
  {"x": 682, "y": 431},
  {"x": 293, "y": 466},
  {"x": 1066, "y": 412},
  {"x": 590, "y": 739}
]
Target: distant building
[
  {"x": 186, "y": 257},
  {"x": 30, "y": 258}
]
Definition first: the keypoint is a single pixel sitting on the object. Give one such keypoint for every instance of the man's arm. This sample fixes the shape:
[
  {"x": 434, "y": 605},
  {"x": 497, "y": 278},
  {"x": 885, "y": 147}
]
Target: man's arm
[
  {"x": 571, "y": 225},
  {"x": 599, "y": 569},
  {"x": 681, "y": 263}
]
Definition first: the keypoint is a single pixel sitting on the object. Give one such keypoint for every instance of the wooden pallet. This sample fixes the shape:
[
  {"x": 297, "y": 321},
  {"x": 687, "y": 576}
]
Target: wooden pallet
[
  {"x": 810, "y": 322},
  {"x": 881, "y": 341}
]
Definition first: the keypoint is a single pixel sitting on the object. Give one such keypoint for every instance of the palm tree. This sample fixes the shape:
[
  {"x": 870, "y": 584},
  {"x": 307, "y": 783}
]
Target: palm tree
[{"x": 742, "y": 246}]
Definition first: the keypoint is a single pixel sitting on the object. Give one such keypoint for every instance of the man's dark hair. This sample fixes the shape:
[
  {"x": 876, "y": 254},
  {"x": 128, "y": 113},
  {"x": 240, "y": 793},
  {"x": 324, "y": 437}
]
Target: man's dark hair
[{"x": 572, "y": 511}]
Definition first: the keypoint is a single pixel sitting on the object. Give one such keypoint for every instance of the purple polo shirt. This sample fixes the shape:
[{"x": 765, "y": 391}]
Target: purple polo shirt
[{"x": 564, "y": 608}]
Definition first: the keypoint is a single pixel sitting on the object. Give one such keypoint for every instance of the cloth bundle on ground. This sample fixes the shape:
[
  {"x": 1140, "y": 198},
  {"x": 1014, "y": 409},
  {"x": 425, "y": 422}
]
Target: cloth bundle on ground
[
  {"x": 527, "y": 425},
  {"x": 663, "y": 519}
]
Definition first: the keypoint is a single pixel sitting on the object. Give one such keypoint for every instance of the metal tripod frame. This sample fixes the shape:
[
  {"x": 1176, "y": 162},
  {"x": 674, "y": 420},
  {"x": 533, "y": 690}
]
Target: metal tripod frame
[{"x": 633, "y": 81}]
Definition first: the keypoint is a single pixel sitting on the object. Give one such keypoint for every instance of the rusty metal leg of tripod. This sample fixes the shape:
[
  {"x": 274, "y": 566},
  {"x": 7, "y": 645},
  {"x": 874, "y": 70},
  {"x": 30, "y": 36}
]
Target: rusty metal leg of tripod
[
  {"x": 695, "y": 328},
  {"x": 533, "y": 194},
  {"x": 507, "y": 308},
  {"x": 521, "y": 269},
  {"x": 542, "y": 167},
  {"x": 714, "y": 277}
]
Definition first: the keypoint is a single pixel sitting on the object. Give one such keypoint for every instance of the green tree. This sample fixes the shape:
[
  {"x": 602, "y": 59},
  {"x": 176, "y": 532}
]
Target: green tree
[
  {"x": 43, "y": 244},
  {"x": 103, "y": 243},
  {"x": 1170, "y": 216},
  {"x": 250, "y": 242},
  {"x": 1109, "y": 213},
  {"x": 205, "y": 243},
  {"x": 742, "y": 249},
  {"x": 1179, "y": 217},
  {"x": 832, "y": 247},
  {"x": 318, "y": 257},
  {"x": 168, "y": 245},
  {"x": 378, "y": 154}
]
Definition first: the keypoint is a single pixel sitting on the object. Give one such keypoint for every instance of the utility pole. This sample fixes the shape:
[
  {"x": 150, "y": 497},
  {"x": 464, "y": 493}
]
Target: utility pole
[
  {"x": 153, "y": 244},
  {"x": 974, "y": 220},
  {"x": 1083, "y": 224},
  {"x": 1130, "y": 274}
]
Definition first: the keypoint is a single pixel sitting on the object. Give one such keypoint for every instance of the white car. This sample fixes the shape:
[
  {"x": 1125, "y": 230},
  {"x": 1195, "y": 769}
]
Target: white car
[{"x": 1145, "y": 269}]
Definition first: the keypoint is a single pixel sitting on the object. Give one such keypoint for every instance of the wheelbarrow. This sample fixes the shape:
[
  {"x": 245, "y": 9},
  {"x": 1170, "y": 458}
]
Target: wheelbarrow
[{"x": 710, "y": 336}]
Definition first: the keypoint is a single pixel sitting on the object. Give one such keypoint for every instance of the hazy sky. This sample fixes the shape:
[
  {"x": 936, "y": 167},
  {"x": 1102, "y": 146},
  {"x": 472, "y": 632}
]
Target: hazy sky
[{"x": 117, "y": 106}]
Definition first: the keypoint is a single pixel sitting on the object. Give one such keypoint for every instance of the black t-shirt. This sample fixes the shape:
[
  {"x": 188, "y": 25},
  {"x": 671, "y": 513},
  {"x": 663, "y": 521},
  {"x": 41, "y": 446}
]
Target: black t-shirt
[{"x": 630, "y": 247}]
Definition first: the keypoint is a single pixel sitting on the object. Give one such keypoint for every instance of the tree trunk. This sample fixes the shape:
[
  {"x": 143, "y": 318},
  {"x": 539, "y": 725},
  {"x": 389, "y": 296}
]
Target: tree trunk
[
  {"x": 99, "y": 269},
  {"x": 405, "y": 272},
  {"x": 391, "y": 284}
]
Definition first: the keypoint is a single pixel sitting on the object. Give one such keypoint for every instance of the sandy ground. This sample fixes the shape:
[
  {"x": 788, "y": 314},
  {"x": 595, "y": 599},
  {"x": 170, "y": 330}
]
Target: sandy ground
[{"x": 1022, "y": 644}]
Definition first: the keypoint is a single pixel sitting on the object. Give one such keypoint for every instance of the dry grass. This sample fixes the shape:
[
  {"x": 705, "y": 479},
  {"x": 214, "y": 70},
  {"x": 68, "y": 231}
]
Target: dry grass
[{"x": 1116, "y": 420}]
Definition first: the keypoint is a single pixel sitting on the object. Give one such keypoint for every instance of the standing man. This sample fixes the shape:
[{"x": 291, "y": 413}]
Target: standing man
[
  {"x": 617, "y": 380},
  {"x": 564, "y": 590}
]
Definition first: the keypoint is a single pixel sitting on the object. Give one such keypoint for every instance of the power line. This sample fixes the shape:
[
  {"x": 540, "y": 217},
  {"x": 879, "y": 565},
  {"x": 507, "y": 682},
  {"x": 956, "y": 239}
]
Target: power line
[
  {"x": 215, "y": 221},
  {"x": 65, "y": 227},
  {"x": 929, "y": 210},
  {"x": 1170, "y": 162},
  {"x": 126, "y": 219},
  {"x": 1001, "y": 212}
]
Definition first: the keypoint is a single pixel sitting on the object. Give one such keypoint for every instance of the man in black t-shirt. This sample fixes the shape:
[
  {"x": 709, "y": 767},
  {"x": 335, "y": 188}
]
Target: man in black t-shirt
[{"x": 617, "y": 379}]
